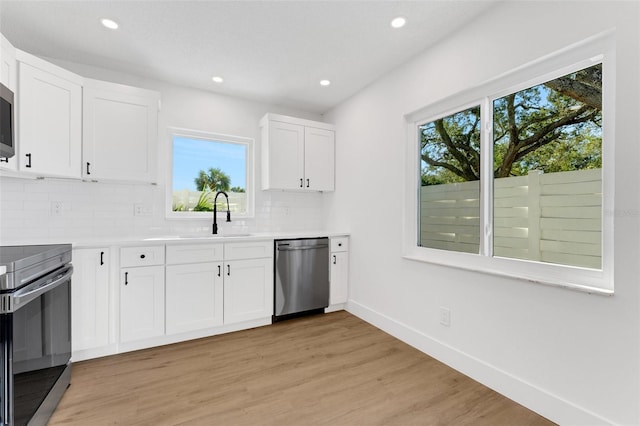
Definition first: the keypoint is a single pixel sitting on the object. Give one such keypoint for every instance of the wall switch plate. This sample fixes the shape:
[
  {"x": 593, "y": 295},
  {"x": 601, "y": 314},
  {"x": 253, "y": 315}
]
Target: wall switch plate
[
  {"x": 55, "y": 208},
  {"x": 445, "y": 316}
]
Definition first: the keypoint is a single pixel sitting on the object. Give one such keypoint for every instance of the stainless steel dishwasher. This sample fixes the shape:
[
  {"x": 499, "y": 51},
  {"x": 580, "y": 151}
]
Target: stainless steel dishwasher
[{"x": 301, "y": 277}]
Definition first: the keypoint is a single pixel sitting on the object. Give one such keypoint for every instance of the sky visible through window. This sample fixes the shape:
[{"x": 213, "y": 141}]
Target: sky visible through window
[{"x": 190, "y": 155}]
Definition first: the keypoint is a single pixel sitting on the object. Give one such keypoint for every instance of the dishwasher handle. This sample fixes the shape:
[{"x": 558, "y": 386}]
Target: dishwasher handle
[{"x": 286, "y": 247}]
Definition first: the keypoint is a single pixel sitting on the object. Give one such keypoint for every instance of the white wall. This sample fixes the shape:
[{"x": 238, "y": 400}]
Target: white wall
[
  {"x": 570, "y": 356},
  {"x": 105, "y": 210}
]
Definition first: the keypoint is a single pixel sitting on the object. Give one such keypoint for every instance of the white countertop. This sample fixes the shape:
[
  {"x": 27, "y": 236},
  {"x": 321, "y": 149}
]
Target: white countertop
[{"x": 203, "y": 238}]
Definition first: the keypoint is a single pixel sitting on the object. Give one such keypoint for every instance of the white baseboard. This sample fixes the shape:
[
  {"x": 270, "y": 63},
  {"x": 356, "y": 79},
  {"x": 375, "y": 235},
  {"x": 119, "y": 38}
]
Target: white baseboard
[
  {"x": 334, "y": 308},
  {"x": 534, "y": 398}
]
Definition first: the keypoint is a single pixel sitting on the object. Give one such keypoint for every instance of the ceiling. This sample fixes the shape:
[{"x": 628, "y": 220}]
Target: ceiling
[{"x": 269, "y": 51}]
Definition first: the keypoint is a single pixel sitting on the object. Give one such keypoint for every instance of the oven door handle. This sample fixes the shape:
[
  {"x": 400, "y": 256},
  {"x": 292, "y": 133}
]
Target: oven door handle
[{"x": 38, "y": 288}]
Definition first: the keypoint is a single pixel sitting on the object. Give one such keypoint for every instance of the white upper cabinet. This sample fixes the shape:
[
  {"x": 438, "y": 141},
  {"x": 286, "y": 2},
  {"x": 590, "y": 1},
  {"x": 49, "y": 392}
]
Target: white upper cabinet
[
  {"x": 49, "y": 118},
  {"x": 120, "y": 132},
  {"x": 297, "y": 154},
  {"x": 8, "y": 72},
  {"x": 9, "y": 77},
  {"x": 319, "y": 159}
]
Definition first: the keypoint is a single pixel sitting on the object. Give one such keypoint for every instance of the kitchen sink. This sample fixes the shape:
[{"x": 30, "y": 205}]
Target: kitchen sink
[{"x": 201, "y": 236}]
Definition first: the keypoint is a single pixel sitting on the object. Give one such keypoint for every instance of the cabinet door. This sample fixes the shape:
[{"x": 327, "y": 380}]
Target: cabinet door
[
  {"x": 8, "y": 77},
  {"x": 8, "y": 72},
  {"x": 248, "y": 290},
  {"x": 194, "y": 296},
  {"x": 90, "y": 299},
  {"x": 286, "y": 156},
  {"x": 319, "y": 159},
  {"x": 119, "y": 132},
  {"x": 49, "y": 122},
  {"x": 339, "y": 279},
  {"x": 141, "y": 303}
]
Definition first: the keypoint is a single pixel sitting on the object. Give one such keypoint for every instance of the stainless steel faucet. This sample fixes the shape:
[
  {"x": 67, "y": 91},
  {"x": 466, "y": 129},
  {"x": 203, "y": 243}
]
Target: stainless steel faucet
[{"x": 215, "y": 210}]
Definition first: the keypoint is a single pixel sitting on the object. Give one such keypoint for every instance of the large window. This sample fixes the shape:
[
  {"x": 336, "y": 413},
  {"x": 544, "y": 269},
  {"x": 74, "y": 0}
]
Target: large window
[
  {"x": 203, "y": 164},
  {"x": 518, "y": 177}
]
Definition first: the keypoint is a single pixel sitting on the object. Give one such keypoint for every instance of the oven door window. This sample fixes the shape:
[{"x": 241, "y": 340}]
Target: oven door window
[{"x": 41, "y": 348}]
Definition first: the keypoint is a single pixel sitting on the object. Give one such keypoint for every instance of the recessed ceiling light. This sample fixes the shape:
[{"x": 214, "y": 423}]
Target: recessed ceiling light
[
  {"x": 217, "y": 79},
  {"x": 398, "y": 22},
  {"x": 112, "y": 25},
  {"x": 324, "y": 82}
]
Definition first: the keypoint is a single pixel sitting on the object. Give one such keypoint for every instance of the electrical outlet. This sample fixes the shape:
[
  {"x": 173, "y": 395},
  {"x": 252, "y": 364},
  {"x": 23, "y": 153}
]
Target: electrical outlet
[
  {"x": 56, "y": 208},
  {"x": 140, "y": 209},
  {"x": 445, "y": 316}
]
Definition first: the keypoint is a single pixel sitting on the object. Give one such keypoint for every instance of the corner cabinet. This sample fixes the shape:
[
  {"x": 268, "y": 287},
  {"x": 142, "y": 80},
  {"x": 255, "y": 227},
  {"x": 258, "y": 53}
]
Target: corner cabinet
[
  {"x": 297, "y": 154},
  {"x": 120, "y": 132},
  {"x": 49, "y": 118}
]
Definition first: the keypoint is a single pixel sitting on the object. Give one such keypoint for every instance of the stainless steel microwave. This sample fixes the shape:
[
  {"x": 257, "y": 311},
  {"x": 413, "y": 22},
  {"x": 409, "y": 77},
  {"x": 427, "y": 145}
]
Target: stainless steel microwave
[{"x": 7, "y": 139}]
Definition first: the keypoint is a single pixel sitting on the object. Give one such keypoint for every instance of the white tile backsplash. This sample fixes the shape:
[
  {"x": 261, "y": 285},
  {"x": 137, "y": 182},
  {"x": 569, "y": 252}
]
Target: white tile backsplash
[{"x": 105, "y": 211}]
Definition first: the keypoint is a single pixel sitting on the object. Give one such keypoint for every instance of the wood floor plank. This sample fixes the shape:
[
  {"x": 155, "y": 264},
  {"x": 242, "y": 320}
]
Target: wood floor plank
[{"x": 331, "y": 369}]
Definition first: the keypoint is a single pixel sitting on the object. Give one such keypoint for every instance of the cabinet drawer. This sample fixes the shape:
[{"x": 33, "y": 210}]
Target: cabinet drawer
[
  {"x": 141, "y": 256},
  {"x": 194, "y": 253},
  {"x": 248, "y": 250},
  {"x": 339, "y": 244}
]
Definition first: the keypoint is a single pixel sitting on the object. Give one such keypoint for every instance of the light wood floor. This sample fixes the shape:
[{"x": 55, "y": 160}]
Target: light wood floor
[{"x": 328, "y": 369}]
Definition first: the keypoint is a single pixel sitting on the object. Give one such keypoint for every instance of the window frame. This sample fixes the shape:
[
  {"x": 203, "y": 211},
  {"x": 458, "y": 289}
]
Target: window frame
[
  {"x": 212, "y": 137},
  {"x": 597, "y": 49}
]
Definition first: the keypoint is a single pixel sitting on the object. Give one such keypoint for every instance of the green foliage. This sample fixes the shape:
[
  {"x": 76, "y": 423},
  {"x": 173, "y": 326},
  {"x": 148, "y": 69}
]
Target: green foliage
[
  {"x": 178, "y": 207},
  {"x": 450, "y": 148},
  {"x": 553, "y": 127},
  {"x": 213, "y": 180},
  {"x": 204, "y": 203},
  {"x": 236, "y": 189}
]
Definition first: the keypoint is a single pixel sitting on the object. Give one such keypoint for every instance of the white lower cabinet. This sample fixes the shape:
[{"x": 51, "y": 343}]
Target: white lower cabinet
[
  {"x": 194, "y": 287},
  {"x": 141, "y": 292},
  {"x": 90, "y": 299},
  {"x": 248, "y": 289},
  {"x": 194, "y": 297},
  {"x": 339, "y": 274},
  {"x": 141, "y": 302},
  {"x": 214, "y": 284},
  {"x": 160, "y": 294}
]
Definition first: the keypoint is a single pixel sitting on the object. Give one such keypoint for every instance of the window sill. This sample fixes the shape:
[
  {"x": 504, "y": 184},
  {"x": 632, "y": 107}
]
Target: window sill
[{"x": 504, "y": 267}]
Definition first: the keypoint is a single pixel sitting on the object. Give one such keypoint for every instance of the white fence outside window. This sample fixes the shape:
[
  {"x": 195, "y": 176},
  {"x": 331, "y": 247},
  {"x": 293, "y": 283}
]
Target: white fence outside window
[{"x": 552, "y": 218}]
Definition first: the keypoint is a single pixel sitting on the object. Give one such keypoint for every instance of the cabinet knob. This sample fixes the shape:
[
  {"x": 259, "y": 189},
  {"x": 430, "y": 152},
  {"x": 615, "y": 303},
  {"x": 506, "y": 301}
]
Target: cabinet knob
[
  {"x": 126, "y": 278},
  {"x": 28, "y": 165},
  {"x": 101, "y": 258},
  {"x": 142, "y": 256}
]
